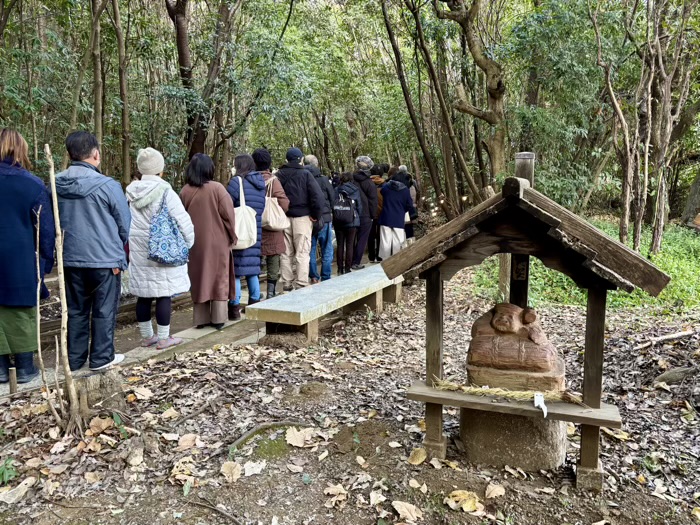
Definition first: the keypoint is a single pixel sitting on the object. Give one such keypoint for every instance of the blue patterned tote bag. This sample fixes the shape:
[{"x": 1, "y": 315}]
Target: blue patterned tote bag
[{"x": 166, "y": 244}]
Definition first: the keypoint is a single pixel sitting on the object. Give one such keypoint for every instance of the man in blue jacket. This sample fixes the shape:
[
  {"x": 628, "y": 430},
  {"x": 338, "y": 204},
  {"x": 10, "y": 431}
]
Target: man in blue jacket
[{"x": 95, "y": 219}]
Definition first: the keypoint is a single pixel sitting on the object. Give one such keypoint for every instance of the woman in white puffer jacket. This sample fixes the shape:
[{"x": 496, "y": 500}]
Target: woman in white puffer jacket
[{"x": 149, "y": 280}]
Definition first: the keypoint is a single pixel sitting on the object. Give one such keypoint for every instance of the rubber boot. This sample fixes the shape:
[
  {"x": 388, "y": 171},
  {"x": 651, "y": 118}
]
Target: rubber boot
[
  {"x": 26, "y": 371},
  {"x": 271, "y": 289}
]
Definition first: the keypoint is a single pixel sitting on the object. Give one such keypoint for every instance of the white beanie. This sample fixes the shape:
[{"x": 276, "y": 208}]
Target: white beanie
[{"x": 150, "y": 162}]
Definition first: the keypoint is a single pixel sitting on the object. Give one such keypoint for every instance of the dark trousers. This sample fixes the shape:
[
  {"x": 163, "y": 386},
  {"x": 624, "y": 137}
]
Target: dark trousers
[
  {"x": 362, "y": 238},
  {"x": 164, "y": 307},
  {"x": 345, "y": 239},
  {"x": 374, "y": 241},
  {"x": 93, "y": 301}
]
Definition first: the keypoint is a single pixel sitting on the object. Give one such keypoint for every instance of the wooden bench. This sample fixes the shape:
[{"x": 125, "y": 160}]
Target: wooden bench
[{"x": 302, "y": 308}]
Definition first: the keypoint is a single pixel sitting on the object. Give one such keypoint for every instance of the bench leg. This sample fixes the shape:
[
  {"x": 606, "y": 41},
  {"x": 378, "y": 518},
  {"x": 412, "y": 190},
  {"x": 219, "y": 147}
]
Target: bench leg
[
  {"x": 589, "y": 471},
  {"x": 374, "y": 301},
  {"x": 392, "y": 294},
  {"x": 310, "y": 330},
  {"x": 435, "y": 443}
]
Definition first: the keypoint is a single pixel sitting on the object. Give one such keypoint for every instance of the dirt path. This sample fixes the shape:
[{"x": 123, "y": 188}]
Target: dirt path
[{"x": 352, "y": 468}]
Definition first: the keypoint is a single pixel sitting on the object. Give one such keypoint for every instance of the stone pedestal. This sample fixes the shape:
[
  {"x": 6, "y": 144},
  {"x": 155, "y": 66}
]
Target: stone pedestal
[{"x": 495, "y": 439}]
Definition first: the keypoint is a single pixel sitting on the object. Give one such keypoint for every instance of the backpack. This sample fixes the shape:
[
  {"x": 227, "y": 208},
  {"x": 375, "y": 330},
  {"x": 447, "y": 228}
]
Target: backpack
[
  {"x": 246, "y": 223},
  {"x": 166, "y": 244},
  {"x": 344, "y": 210}
]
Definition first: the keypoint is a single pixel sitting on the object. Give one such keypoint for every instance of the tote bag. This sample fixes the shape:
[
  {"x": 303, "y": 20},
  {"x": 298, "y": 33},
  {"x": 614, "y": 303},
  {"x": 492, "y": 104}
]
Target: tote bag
[
  {"x": 246, "y": 224},
  {"x": 166, "y": 244},
  {"x": 273, "y": 218}
]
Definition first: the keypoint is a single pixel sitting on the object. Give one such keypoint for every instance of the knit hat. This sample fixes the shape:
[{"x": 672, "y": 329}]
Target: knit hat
[
  {"x": 364, "y": 163},
  {"x": 150, "y": 162},
  {"x": 294, "y": 154}
]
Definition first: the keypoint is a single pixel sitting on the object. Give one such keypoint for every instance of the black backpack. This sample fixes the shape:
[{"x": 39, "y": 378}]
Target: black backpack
[{"x": 344, "y": 210}]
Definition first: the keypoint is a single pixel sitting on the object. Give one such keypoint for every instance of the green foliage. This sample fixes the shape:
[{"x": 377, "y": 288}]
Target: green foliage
[
  {"x": 680, "y": 258},
  {"x": 8, "y": 472}
]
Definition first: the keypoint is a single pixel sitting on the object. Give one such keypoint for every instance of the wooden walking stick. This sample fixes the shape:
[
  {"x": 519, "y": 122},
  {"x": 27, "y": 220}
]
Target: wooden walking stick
[
  {"x": 42, "y": 368},
  {"x": 75, "y": 421}
]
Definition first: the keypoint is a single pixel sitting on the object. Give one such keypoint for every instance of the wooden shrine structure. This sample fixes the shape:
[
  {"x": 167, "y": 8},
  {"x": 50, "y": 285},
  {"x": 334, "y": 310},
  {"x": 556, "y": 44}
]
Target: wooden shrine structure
[{"x": 524, "y": 223}]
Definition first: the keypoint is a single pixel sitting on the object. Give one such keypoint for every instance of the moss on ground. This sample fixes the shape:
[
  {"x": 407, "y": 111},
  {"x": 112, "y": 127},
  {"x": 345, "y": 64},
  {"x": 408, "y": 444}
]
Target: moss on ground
[{"x": 272, "y": 448}]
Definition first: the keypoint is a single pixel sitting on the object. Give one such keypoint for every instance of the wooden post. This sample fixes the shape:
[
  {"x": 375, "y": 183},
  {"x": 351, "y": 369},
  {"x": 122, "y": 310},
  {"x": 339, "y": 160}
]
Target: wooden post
[
  {"x": 435, "y": 443},
  {"x": 13, "y": 379},
  {"x": 589, "y": 471},
  {"x": 525, "y": 166},
  {"x": 392, "y": 294},
  {"x": 520, "y": 264}
]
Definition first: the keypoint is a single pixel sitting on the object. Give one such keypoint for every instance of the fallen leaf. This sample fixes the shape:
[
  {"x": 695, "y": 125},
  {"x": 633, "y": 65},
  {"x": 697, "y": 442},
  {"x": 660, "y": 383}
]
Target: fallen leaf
[
  {"x": 494, "y": 491},
  {"x": 16, "y": 494},
  {"x": 58, "y": 447},
  {"x": 372, "y": 413},
  {"x": 547, "y": 490},
  {"x": 100, "y": 424},
  {"x": 601, "y": 522},
  {"x": 339, "y": 496},
  {"x": 323, "y": 455},
  {"x": 618, "y": 434},
  {"x": 360, "y": 460},
  {"x": 418, "y": 456},
  {"x": 413, "y": 484},
  {"x": 295, "y": 468},
  {"x": 33, "y": 463},
  {"x": 54, "y": 432},
  {"x": 231, "y": 471},
  {"x": 298, "y": 438},
  {"x": 406, "y": 511},
  {"x": 93, "y": 477},
  {"x": 171, "y": 413},
  {"x": 58, "y": 469},
  {"x": 464, "y": 500},
  {"x": 436, "y": 463},
  {"x": 695, "y": 513},
  {"x": 170, "y": 436},
  {"x": 251, "y": 468},
  {"x": 376, "y": 497},
  {"x": 188, "y": 441},
  {"x": 143, "y": 393},
  {"x": 394, "y": 444}
]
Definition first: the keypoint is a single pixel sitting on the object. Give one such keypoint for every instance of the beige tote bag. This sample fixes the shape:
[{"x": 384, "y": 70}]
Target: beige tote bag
[{"x": 273, "y": 218}]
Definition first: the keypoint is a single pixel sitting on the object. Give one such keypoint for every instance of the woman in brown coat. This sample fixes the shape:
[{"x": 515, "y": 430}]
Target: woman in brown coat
[
  {"x": 272, "y": 242},
  {"x": 211, "y": 264}
]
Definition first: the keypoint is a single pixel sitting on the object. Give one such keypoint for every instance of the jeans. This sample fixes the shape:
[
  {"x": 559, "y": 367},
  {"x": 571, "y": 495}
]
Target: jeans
[
  {"x": 93, "y": 300},
  {"x": 253, "y": 289},
  {"x": 325, "y": 240}
]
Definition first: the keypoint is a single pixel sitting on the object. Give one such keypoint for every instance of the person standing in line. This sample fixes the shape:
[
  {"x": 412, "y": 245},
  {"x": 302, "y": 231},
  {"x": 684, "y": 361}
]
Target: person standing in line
[
  {"x": 272, "y": 241},
  {"x": 211, "y": 263},
  {"x": 407, "y": 180},
  {"x": 305, "y": 207},
  {"x": 397, "y": 202},
  {"x": 25, "y": 206},
  {"x": 324, "y": 238},
  {"x": 368, "y": 194},
  {"x": 247, "y": 262},
  {"x": 373, "y": 249},
  {"x": 149, "y": 280},
  {"x": 95, "y": 218},
  {"x": 345, "y": 232}
]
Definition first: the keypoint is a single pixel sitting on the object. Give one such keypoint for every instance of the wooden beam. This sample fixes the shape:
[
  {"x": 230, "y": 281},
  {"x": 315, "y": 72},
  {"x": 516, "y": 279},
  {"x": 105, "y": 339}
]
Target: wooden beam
[
  {"x": 434, "y": 442},
  {"x": 514, "y": 187},
  {"x": 519, "y": 279},
  {"x": 610, "y": 253},
  {"x": 593, "y": 374},
  {"x": 605, "y": 416}
]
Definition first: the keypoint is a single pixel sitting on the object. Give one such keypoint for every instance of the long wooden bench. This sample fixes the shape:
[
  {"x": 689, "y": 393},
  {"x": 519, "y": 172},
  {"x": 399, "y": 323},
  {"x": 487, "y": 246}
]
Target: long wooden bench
[{"x": 303, "y": 308}]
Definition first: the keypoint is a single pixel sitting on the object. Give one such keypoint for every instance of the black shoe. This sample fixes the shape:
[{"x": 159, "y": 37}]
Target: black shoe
[
  {"x": 358, "y": 266},
  {"x": 200, "y": 326},
  {"x": 288, "y": 289},
  {"x": 234, "y": 313},
  {"x": 379, "y": 259},
  {"x": 217, "y": 326}
]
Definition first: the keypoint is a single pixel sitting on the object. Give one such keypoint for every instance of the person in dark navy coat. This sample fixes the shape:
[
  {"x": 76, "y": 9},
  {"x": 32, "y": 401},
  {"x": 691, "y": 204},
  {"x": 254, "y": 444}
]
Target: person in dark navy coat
[{"x": 247, "y": 262}]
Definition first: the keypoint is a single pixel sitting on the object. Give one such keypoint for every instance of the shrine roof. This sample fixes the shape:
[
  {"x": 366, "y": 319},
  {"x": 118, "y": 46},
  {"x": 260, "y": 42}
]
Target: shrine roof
[{"x": 595, "y": 252}]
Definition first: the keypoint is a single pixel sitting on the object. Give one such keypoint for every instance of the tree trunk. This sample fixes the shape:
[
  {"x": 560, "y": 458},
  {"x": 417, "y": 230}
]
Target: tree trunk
[
  {"x": 427, "y": 154},
  {"x": 691, "y": 213},
  {"x": 98, "y": 86},
  {"x": 123, "y": 95}
]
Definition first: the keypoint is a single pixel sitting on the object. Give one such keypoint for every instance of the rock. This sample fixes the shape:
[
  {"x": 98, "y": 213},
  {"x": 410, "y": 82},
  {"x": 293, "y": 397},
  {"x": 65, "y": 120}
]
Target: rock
[{"x": 497, "y": 439}]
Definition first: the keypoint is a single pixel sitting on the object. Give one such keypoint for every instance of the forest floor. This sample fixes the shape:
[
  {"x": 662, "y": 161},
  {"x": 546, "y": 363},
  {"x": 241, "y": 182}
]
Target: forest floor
[{"x": 345, "y": 462}]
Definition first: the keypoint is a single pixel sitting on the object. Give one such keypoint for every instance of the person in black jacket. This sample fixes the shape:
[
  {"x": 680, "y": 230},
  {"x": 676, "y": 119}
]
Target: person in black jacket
[
  {"x": 368, "y": 193},
  {"x": 345, "y": 232},
  {"x": 306, "y": 203},
  {"x": 324, "y": 238}
]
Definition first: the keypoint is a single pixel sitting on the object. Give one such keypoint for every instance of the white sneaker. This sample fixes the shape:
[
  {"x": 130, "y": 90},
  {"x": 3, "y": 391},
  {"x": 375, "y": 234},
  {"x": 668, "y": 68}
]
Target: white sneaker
[{"x": 118, "y": 358}]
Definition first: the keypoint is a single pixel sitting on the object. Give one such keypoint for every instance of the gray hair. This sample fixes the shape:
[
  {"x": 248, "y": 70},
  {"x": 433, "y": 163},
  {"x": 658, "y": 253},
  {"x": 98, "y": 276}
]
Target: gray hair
[
  {"x": 311, "y": 160},
  {"x": 403, "y": 168}
]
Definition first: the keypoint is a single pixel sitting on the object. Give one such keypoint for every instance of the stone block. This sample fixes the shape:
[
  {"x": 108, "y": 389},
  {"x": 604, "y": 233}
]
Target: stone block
[
  {"x": 531, "y": 443},
  {"x": 589, "y": 478}
]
